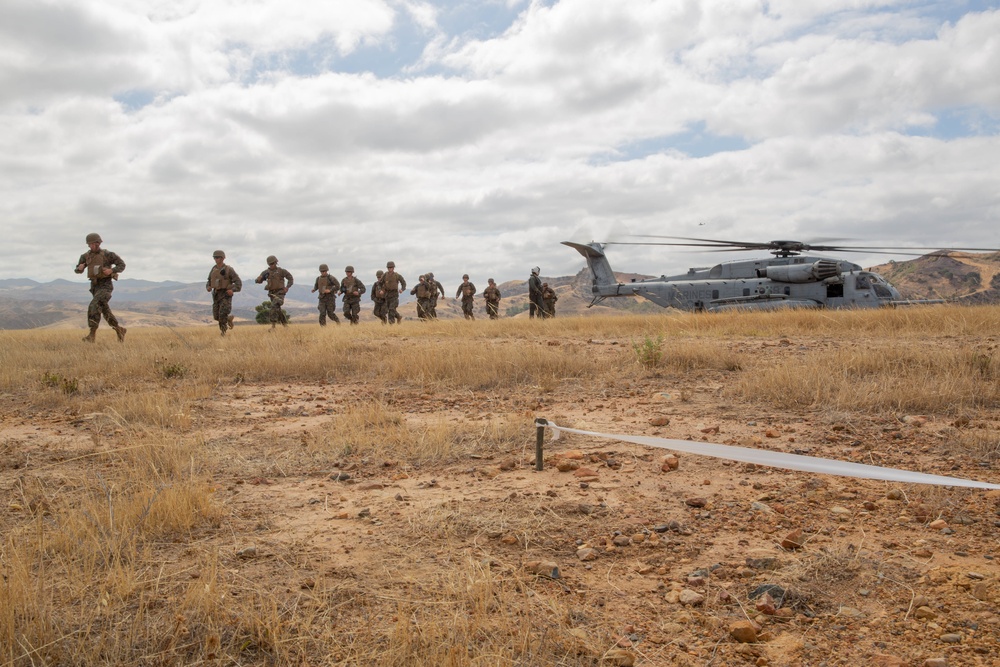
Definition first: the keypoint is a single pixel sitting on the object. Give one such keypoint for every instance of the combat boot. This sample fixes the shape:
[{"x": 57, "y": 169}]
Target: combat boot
[
  {"x": 92, "y": 336},
  {"x": 229, "y": 321},
  {"x": 121, "y": 333}
]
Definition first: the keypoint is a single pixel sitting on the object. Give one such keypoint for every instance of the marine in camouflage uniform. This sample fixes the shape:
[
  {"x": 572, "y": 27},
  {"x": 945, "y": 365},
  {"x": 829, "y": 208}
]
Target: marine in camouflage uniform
[
  {"x": 423, "y": 293},
  {"x": 549, "y": 299},
  {"x": 102, "y": 267},
  {"x": 223, "y": 282},
  {"x": 492, "y": 296},
  {"x": 352, "y": 289},
  {"x": 277, "y": 282},
  {"x": 378, "y": 297},
  {"x": 328, "y": 287},
  {"x": 393, "y": 284},
  {"x": 535, "y": 294},
  {"x": 436, "y": 288},
  {"x": 467, "y": 291}
]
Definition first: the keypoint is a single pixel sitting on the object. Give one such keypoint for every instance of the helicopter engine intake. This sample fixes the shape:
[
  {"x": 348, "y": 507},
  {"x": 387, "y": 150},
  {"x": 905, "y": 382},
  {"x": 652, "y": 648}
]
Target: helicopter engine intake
[{"x": 801, "y": 273}]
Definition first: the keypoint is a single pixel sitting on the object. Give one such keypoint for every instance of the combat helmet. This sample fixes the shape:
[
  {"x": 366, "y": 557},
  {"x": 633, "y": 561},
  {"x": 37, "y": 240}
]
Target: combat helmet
[
  {"x": 349, "y": 269},
  {"x": 535, "y": 271},
  {"x": 219, "y": 253},
  {"x": 271, "y": 259},
  {"x": 94, "y": 237},
  {"x": 379, "y": 273},
  {"x": 390, "y": 264},
  {"x": 324, "y": 267}
]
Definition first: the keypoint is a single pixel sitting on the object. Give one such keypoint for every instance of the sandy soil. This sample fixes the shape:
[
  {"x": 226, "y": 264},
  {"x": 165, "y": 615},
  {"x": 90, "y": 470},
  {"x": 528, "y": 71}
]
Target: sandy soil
[{"x": 887, "y": 574}]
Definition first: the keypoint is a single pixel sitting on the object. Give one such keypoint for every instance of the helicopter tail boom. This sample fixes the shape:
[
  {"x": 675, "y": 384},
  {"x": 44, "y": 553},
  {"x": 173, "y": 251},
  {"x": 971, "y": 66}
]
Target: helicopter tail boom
[
  {"x": 605, "y": 283},
  {"x": 596, "y": 260}
]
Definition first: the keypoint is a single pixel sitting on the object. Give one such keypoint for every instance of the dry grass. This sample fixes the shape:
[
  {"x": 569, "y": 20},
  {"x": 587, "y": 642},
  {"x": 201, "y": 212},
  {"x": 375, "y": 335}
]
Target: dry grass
[{"x": 116, "y": 552}]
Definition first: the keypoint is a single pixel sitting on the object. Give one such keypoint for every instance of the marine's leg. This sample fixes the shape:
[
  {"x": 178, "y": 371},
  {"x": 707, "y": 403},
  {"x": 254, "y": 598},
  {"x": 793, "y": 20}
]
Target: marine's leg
[
  {"x": 222, "y": 306},
  {"x": 103, "y": 296}
]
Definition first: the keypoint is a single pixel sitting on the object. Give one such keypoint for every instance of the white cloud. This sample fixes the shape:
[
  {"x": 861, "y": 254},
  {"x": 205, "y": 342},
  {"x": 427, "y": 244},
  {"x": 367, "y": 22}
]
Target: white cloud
[{"x": 190, "y": 125}]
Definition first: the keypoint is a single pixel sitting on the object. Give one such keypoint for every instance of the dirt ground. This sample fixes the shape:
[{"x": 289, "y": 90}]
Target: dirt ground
[{"x": 673, "y": 560}]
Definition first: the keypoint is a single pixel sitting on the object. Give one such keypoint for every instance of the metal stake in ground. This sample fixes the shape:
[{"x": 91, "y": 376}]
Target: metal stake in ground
[{"x": 540, "y": 425}]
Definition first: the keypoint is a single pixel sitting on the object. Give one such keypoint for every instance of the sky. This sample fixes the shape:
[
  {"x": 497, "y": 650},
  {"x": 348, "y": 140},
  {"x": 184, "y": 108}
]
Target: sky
[{"x": 462, "y": 136}]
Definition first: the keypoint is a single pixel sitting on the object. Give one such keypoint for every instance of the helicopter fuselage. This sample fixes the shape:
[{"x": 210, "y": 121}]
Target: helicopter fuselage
[{"x": 795, "y": 281}]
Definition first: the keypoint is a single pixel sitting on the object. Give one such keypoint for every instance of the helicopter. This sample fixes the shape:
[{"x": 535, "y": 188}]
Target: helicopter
[{"x": 789, "y": 279}]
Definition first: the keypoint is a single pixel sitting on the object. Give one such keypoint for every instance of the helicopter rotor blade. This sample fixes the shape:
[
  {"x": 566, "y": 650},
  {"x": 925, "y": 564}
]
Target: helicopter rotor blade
[{"x": 792, "y": 246}]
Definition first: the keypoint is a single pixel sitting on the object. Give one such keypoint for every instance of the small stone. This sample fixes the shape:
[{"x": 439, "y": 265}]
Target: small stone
[
  {"x": 743, "y": 631},
  {"x": 567, "y": 465},
  {"x": 935, "y": 662},
  {"x": 247, "y": 552},
  {"x": 696, "y": 502},
  {"x": 586, "y": 472},
  {"x": 793, "y": 540},
  {"x": 621, "y": 540},
  {"x": 981, "y": 591},
  {"x": 670, "y": 462},
  {"x": 545, "y": 568},
  {"x": 951, "y": 638},
  {"x": 691, "y": 598},
  {"x": 587, "y": 554},
  {"x": 895, "y": 494},
  {"x": 851, "y": 612},
  {"x": 937, "y": 524},
  {"x": 659, "y": 421},
  {"x": 765, "y": 604},
  {"x": 618, "y": 657},
  {"x": 924, "y": 613}
]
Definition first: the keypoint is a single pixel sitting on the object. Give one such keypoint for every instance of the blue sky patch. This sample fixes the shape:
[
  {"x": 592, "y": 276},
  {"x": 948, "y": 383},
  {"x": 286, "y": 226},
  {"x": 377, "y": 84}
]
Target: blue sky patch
[
  {"x": 133, "y": 100},
  {"x": 958, "y": 123},
  {"x": 696, "y": 142}
]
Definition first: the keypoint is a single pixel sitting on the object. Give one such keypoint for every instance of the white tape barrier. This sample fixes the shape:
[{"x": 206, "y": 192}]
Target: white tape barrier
[{"x": 781, "y": 460}]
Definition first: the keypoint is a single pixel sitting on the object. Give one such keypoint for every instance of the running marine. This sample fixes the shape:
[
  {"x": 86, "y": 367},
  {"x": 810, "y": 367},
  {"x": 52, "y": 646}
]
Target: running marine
[{"x": 102, "y": 267}]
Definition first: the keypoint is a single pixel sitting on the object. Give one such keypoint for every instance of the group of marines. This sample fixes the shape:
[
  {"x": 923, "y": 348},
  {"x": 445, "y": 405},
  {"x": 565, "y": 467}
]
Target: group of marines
[{"x": 103, "y": 266}]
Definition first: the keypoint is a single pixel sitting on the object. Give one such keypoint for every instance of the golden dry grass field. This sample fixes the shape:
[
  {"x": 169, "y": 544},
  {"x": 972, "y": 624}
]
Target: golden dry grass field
[{"x": 368, "y": 495}]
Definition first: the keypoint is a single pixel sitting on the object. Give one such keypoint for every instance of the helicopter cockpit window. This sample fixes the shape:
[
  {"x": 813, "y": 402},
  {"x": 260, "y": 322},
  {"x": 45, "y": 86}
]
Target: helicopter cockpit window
[
  {"x": 862, "y": 282},
  {"x": 716, "y": 271},
  {"x": 881, "y": 291}
]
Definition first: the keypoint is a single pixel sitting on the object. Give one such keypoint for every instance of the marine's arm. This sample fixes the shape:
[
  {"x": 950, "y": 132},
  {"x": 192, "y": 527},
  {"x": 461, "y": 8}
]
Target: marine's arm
[
  {"x": 237, "y": 284},
  {"x": 117, "y": 263}
]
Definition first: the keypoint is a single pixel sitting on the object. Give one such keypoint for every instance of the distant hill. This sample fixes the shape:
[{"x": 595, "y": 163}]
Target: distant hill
[{"x": 959, "y": 276}]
